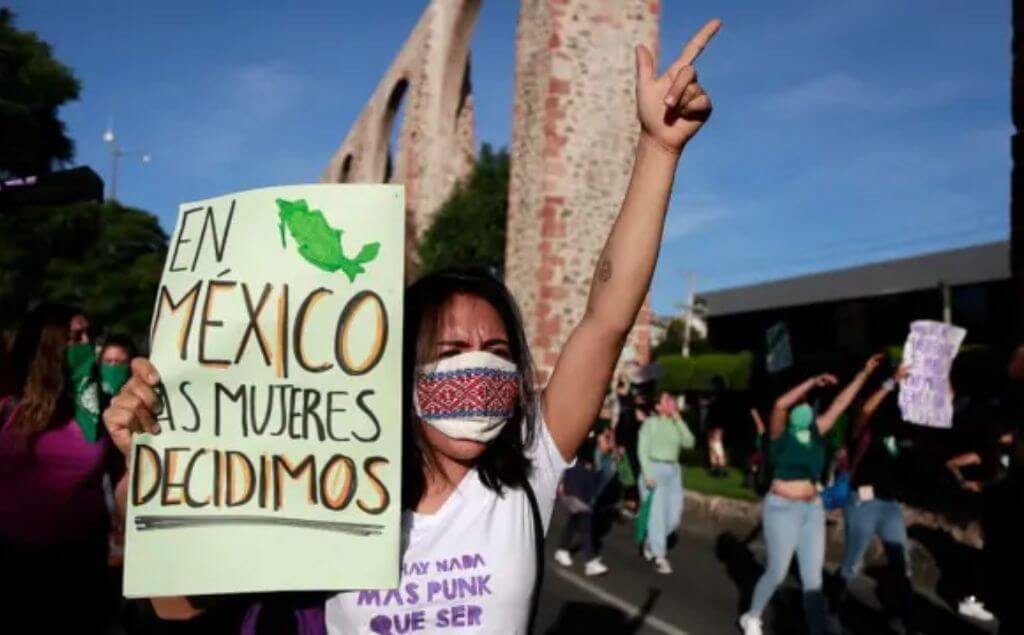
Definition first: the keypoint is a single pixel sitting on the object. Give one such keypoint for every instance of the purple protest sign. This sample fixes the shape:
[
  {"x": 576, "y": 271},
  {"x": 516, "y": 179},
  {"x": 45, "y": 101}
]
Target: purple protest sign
[{"x": 925, "y": 397}]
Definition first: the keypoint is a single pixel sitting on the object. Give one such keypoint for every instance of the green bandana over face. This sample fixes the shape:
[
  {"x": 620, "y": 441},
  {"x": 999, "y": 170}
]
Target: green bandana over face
[
  {"x": 800, "y": 420},
  {"x": 113, "y": 376},
  {"x": 84, "y": 390},
  {"x": 891, "y": 446}
]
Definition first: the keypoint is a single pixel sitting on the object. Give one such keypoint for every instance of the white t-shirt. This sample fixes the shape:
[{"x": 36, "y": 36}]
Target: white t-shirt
[{"x": 469, "y": 567}]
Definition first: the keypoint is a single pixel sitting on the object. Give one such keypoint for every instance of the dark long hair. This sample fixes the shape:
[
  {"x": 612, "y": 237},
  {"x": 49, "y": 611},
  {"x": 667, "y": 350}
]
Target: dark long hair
[
  {"x": 120, "y": 341},
  {"x": 39, "y": 370},
  {"x": 504, "y": 462}
]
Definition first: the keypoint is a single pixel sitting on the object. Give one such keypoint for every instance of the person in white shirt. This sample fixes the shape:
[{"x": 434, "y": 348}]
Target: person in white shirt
[{"x": 481, "y": 465}]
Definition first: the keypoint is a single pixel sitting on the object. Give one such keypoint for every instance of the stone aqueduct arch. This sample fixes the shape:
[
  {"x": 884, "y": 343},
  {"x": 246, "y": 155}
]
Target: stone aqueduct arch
[
  {"x": 574, "y": 135},
  {"x": 436, "y": 145}
]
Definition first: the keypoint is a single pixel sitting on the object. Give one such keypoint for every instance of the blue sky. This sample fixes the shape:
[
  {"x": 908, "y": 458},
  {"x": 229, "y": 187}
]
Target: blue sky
[{"x": 843, "y": 132}]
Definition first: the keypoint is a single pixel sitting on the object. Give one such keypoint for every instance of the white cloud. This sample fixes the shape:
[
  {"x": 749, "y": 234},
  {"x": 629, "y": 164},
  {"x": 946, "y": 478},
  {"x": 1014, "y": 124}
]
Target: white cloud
[
  {"x": 841, "y": 92},
  {"x": 681, "y": 223},
  {"x": 231, "y": 111}
]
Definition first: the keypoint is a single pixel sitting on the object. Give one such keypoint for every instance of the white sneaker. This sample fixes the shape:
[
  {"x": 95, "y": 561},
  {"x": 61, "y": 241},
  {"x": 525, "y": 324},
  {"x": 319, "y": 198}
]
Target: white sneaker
[
  {"x": 662, "y": 566},
  {"x": 750, "y": 624},
  {"x": 648, "y": 556},
  {"x": 971, "y": 607},
  {"x": 595, "y": 567},
  {"x": 563, "y": 558}
]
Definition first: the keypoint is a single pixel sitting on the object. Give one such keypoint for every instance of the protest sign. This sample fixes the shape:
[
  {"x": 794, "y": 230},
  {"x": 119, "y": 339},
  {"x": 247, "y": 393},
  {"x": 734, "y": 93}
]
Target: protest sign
[
  {"x": 779, "y": 352},
  {"x": 925, "y": 397},
  {"x": 277, "y": 334}
]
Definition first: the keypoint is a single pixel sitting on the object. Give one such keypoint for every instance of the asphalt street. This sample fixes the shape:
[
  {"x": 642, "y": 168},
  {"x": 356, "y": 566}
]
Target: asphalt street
[{"x": 714, "y": 574}]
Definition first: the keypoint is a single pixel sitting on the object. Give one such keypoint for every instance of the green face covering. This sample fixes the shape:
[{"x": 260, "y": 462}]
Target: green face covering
[
  {"x": 84, "y": 391},
  {"x": 80, "y": 359},
  {"x": 891, "y": 446},
  {"x": 113, "y": 376},
  {"x": 800, "y": 420}
]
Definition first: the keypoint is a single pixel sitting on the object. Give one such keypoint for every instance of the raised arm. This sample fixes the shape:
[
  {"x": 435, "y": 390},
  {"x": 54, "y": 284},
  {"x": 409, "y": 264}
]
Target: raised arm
[
  {"x": 963, "y": 460},
  {"x": 845, "y": 397},
  {"x": 796, "y": 394},
  {"x": 875, "y": 401},
  {"x": 671, "y": 108},
  {"x": 758, "y": 422}
]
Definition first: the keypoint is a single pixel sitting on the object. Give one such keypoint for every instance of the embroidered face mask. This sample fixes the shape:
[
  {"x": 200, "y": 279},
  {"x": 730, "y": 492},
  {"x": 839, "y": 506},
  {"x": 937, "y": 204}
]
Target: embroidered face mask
[{"x": 468, "y": 396}]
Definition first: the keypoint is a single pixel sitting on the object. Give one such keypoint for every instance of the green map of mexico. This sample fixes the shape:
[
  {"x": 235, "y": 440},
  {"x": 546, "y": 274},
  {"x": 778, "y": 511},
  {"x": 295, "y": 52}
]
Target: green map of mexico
[{"x": 319, "y": 243}]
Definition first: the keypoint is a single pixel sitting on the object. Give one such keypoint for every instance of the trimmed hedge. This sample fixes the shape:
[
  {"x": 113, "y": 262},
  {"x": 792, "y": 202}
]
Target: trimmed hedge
[{"x": 681, "y": 374}]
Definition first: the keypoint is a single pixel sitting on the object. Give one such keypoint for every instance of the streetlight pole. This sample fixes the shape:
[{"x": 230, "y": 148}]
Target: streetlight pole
[
  {"x": 691, "y": 295},
  {"x": 116, "y": 152}
]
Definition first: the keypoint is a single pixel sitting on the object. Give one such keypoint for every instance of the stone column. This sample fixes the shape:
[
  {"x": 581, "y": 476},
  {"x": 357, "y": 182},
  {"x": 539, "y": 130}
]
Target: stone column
[{"x": 574, "y": 137}]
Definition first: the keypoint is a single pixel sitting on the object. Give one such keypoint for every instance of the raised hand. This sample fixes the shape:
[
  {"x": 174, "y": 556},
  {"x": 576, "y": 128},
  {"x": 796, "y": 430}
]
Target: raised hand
[
  {"x": 826, "y": 379},
  {"x": 873, "y": 362},
  {"x": 672, "y": 107}
]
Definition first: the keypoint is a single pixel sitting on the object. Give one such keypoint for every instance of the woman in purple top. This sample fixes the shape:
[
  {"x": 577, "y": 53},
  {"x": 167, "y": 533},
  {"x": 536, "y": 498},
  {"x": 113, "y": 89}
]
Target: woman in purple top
[{"x": 53, "y": 518}]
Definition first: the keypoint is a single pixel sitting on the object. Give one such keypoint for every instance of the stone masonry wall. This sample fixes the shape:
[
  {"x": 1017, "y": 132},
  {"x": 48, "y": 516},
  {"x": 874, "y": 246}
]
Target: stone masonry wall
[{"x": 574, "y": 136}]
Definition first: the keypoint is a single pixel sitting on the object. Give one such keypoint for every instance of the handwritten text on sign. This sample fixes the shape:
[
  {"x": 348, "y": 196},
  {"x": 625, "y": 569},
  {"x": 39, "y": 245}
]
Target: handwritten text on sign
[
  {"x": 925, "y": 397},
  {"x": 276, "y": 333}
]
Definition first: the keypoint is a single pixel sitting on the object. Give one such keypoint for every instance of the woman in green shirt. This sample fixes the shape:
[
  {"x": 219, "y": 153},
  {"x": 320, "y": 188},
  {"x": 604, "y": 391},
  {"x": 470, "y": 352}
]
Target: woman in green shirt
[
  {"x": 662, "y": 436},
  {"x": 793, "y": 516}
]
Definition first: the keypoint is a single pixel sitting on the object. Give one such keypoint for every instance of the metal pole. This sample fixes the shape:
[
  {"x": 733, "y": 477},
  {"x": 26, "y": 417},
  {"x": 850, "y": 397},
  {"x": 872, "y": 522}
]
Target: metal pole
[
  {"x": 947, "y": 303},
  {"x": 115, "y": 155},
  {"x": 691, "y": 288}
]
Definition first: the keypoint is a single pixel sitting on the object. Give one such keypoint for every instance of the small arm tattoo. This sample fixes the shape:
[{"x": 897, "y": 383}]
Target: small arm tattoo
[{"x": 604, "y": 270}]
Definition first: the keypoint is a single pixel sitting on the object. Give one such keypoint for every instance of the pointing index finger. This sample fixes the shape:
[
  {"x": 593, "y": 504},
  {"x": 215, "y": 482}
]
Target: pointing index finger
[{"x": 696, "y": 45}]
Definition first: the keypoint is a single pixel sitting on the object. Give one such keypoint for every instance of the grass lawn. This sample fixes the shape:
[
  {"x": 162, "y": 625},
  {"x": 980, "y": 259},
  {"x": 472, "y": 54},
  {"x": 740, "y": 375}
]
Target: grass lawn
[{"x": 696, "y": 478}]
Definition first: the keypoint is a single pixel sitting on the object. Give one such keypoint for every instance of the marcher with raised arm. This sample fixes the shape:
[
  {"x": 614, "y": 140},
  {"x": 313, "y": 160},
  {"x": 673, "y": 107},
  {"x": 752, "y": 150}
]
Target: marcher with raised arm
[
  {"x": 484, "y": 484},
  {"x": 874, "y": 507},
  {"x": 793, "y": 515}
]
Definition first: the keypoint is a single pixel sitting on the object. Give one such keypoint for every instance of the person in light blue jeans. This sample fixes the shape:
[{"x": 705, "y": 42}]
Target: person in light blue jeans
[
  {"x": 791, "y": 526},
  {"x": 874, "y": 508},
  {"x": 793, "y": 514},
  {"x": 661, "y": 439},
  {"x": 666, "y": 507}
]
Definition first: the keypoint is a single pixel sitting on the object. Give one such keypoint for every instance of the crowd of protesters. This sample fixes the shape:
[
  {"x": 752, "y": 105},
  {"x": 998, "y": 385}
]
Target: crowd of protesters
[
  {"x": 470, "y": 481},
  {"x": 57, "y": 467},
  {"x": 479, "y": 472},
  {"x": 808, "y": 466}
]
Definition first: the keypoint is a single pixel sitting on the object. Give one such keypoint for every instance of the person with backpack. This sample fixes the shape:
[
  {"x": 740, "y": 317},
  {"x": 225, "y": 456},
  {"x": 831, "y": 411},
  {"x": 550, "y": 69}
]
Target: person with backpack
[
  {"x": 480, "y": 467},
  {"x": 581, "y": 487},
  {"x": 873, "y": 507},
  {"x": 793, "y": 515}
]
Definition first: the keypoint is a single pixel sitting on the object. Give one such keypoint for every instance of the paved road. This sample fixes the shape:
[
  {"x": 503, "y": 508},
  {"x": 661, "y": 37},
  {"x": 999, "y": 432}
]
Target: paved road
[{"x": 702, "y": 596}]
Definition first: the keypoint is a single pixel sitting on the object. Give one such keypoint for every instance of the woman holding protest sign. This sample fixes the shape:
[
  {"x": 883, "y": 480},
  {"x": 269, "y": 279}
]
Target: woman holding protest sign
[
  {"x": 793, "y": 514},
  {"x": 477, "y": 491}
]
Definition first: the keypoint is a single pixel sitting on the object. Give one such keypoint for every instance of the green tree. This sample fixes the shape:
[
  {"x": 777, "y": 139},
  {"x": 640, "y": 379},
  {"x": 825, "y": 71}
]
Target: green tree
[
  {"x": 672, "y": 343},
  {"x": 33, "y": 86},
  {"x": 105, "y": 258},
  {"x": 469, "y": 229}
]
